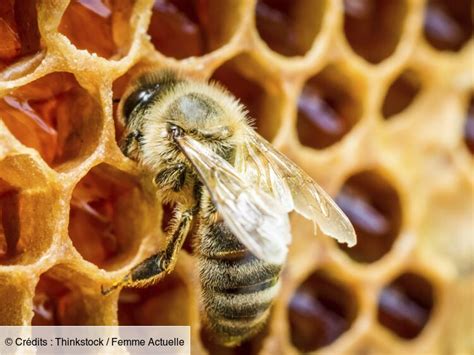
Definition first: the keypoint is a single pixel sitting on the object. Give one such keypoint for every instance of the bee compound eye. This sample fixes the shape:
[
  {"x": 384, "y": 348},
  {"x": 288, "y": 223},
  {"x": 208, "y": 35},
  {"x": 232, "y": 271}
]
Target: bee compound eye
[{"x": 138, "y": 97}]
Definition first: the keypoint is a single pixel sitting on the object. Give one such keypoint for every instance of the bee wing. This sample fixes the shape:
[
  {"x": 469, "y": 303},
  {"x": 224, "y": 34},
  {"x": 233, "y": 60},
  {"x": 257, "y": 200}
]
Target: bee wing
[
  {"x": 307, "y": 197},
  {"x": 252, "y": 215},
  {"x": 255, "y": 166}
]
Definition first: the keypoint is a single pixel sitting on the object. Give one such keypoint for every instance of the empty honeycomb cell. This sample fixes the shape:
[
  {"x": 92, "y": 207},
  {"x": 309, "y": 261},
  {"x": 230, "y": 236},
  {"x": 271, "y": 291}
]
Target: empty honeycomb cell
[
  {"x": 405, "y": 305},
  {"x": 58, "y": 302},
  {"x": 55, "y": 116},
  {"x": 165, "y": 303},
  {"x": 13, "y": 299},
  {"x": 19, "y": 31},
  {"x": 263, "y": 106},
  {"x": 373, "y": 27},
  {"x": 374, "y": 208},
  {"x": 320, "y": 311},
  {"x": 107, "y": 208},
  {"x": 187, "y": 28},
  {"x": 401, "y": 93},
  {"x": 328, "y": 108},
  {"x": 469, "y": 126},
  {"x": 289, "y": 27},
  {"x": 98, "y": 26},
  {"x": 448, "y": 24}
]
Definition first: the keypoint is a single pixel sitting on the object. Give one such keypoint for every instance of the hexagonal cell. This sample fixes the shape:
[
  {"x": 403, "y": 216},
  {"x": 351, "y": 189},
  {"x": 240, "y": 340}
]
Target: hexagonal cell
[
  {"x": 14, "y": 295},
  {"x": 165, "y": 303},
  {"x": 19, "y": 29},
  {"x": 405, "y": 305},
  {"x": 469, "y": 126},
  {"x": 107, "y": 220},
  {"x": 263, "y": 106},
  {"x": 401, "y": 93},
  {"x": 98, "y": 26},
  {"x": 55, "y": 116},
  {"x": 328, "y": 108},
  {"x": 186, "y": 28},
  {"x": 289, "y": 27},
  {"x": 373, "y": 27},
  {"x": 374, "y": 208},
  {"x": 26, "y": 231},
  {"x": 58, "y": 302},
  {"x": 320, "y": 311},
  {"x": 448, "y": 24}
]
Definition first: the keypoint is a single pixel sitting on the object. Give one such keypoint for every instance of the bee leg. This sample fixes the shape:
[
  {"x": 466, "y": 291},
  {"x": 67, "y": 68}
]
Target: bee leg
[
  {"x": 130, "y": 144},
  {"x": 150, "y": 269}
]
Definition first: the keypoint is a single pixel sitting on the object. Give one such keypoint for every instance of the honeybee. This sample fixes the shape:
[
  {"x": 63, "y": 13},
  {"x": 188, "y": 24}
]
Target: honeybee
[{"x": 230, "y": 187}]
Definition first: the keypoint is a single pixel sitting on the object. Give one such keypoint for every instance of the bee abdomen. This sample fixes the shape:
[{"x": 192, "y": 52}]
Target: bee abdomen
[
  {"x": 234, "y": 315},
  {"x": 237, "y": 288}
]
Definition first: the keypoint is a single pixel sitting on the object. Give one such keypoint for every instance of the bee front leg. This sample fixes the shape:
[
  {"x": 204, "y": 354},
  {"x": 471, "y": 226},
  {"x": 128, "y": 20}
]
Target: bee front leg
[{"x": 150, "y": 269}]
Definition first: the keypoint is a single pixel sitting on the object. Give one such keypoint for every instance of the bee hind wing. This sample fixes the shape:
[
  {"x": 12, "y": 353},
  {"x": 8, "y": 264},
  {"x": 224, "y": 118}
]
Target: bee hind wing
[
  {"x": 308, "y": 198},
  {"x": 253, "y": 216}
]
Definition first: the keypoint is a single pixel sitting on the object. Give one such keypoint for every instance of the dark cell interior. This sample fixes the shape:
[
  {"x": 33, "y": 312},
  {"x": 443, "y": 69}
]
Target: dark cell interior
[
  {"x": 98, "y": 26},
  {"x": 53, "y": 115},
  {"x": 11, "y": 244},
  {"x": 327, "y": 109},
  {"x": 401, "y": 93},
  {"x": 448, "y": 24},
  {"x": 19, "y": 31},
  {"x": 374, "y": 208},
  {"x": 55, "y": 303},
  {"x": 261, "y": 105},
  {"x": 406, "y": 304},
  {"x": 118, "y": 87},
  {"x": 103, "y": 225},
  {"x": 373, "y": 27},
  {"x": 177, "y": 19},
  {"x": 469, "y": 126},
  {"x": 320, "y": 311},
  {"x": 187, "y": 28},
  {"x": 165, "y": 303},
  {"x": 289, "y": 27}
]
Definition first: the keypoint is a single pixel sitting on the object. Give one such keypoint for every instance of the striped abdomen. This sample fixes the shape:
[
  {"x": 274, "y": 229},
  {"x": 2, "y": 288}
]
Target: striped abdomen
[{"x": 237, "y": 287}]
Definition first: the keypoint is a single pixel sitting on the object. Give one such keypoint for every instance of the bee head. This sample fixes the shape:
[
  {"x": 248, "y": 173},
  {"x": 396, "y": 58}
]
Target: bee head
[
  {"x": 144, "y": 93},
  {"x": 160, "y": 101}
]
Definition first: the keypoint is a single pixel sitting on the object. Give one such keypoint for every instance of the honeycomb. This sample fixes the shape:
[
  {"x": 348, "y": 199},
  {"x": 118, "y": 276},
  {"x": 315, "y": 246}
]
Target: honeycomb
[{"x": 373, "y": 98}]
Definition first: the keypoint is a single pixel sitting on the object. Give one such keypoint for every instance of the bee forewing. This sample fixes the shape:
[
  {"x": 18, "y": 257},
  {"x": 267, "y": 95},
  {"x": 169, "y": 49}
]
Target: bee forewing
[
  {"x": 266, "y": 177},
  {"x": 255, "y": 217},
  {"x": 309, "y": 199}
]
